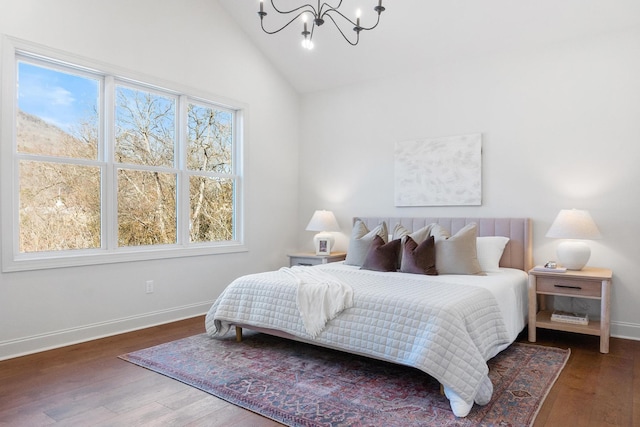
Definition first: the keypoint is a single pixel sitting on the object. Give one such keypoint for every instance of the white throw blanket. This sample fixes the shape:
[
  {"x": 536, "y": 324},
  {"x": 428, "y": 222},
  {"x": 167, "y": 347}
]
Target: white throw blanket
[{"x": 320, "y": 297}]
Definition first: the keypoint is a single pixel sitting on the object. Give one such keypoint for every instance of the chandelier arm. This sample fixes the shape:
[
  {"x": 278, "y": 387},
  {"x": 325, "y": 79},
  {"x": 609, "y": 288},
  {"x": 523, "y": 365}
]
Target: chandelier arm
[
  {"x": 326, "y": 13},
  {"x": 320, "y": 8},
  {"x": 281, "y": 28},
  {"x": 341, "y": 32},
  {"x": 286, "y": 12},
  {"x": 371, "y": 28},
  {"x": 334, "y": 10}
]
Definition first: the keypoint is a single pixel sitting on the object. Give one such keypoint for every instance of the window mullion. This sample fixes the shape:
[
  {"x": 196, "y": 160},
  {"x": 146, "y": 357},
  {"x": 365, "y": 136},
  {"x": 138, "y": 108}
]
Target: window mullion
[
  {"x": 238, "y": 174},
  {"x": 182, "y": 185},
  {"x": 109, "y": 177}
]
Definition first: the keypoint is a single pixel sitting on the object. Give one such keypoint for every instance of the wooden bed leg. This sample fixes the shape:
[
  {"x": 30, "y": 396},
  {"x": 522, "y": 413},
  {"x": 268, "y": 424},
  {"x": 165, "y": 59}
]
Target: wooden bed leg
[
  {"x": 441, "y": 389},
  {"x": 238, "y": 334}
]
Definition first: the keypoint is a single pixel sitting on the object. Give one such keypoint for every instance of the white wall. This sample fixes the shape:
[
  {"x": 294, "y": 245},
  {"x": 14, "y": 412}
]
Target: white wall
[
  {"x": 561, "y": 129},
  {"x": 193, "y": 43}
]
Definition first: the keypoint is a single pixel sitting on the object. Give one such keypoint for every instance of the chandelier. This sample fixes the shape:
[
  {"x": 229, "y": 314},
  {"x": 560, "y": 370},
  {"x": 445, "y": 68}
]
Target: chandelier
[{"x": 318, "y": 17}]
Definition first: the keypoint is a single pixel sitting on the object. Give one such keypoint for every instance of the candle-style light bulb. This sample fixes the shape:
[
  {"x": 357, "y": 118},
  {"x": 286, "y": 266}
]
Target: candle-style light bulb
[
  {"x": 358, "y": 14},
  {"x": 306, "y": 42},
  {"x": 261, "y": 5}
]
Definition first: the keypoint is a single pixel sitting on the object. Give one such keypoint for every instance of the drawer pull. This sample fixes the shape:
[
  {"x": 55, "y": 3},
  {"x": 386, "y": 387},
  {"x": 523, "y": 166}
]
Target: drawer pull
[{"x": 567, "y": 287}]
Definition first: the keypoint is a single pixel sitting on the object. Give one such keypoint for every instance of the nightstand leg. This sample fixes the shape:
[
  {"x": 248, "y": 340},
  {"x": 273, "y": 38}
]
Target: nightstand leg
[
  {"x": 533, "y": 308},
  {"x": 605, "y": 313}
]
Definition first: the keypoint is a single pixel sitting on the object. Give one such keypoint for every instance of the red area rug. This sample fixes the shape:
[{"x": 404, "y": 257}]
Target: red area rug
[{"x": 303, "y": 385}]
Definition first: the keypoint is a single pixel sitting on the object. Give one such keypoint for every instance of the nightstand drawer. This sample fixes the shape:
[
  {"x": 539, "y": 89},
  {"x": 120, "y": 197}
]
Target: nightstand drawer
[
  {"x": 304, "y": 261},
  {"x": 557, "y": 285},
  {"x": 309, "y": 259}
]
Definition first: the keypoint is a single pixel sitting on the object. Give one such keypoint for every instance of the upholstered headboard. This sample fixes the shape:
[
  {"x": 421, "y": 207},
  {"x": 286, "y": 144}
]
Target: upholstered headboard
[{"x": 517, "y": 254}]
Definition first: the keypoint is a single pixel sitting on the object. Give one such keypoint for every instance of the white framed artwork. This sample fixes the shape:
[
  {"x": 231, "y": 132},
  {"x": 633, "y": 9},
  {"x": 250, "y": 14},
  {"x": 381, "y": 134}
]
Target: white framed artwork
[
  {"x": 323, "y": 246},
  {"x": 445, "y": 171}
]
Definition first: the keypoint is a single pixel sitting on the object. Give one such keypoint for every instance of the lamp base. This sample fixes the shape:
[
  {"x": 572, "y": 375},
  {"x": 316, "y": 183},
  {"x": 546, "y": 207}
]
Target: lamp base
[
  {"x": 573, "y": 255},
  {"x": 323, "y": 243}
]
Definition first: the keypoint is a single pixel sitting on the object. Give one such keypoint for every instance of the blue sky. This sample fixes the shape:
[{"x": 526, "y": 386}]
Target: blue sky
[{"x": 58, "y": 98}]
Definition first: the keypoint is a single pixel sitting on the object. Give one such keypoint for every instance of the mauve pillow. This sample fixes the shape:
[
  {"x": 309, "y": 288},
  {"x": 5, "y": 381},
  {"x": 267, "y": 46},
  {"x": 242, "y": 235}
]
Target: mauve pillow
[
  {"x": 419, "y": 258},
  {"x": 361, "y": 240},
  {"x": 419, "y": 236},
  {"x": 382, "y": 256}
]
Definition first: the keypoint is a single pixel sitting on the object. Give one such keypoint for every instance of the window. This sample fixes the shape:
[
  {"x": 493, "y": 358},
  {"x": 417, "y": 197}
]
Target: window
[
  {"x": 105, "y": 167},
  {"x": 146, "y": 177}
]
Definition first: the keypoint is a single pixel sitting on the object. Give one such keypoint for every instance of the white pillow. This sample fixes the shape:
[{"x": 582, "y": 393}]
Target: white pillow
[{"x": 490, "y": 249}]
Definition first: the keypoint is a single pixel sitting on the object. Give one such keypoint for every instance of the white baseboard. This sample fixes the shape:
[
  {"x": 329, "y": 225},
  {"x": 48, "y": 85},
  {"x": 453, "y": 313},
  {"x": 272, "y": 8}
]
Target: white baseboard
[
  {"x": 629, "y": 331},
  {"x": 37, "y": 343}
]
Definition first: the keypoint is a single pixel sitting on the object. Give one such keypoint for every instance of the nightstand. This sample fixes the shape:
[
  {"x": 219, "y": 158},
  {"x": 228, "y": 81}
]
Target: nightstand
[
  {"x": 590, "y": 283},
  {"x": 309, "y": 258}
]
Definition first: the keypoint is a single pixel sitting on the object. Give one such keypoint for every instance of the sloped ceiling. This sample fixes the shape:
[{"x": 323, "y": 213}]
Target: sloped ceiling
[{"x": 414, "y": 34}]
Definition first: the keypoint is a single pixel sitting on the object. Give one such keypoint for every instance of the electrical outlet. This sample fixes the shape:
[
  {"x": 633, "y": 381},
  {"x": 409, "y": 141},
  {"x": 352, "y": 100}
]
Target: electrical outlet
[{"x": 149, "y": 287}]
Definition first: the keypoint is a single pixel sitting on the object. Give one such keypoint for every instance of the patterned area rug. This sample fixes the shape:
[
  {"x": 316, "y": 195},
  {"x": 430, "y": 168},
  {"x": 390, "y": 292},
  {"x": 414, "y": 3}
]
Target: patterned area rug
[{"x": 303, "y": 385}]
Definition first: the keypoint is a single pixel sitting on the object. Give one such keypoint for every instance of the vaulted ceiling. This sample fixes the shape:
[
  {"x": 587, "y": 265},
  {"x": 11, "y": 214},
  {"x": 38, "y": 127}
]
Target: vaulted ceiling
[{"x": 414, "y": 34}]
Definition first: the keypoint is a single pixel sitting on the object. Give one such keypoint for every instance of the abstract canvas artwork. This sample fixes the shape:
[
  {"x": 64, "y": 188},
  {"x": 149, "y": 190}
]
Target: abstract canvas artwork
[{"x": 445, "y": 171}]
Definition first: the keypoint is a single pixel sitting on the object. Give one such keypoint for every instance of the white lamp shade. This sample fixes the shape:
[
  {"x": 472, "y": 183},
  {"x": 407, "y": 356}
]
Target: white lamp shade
[
  {"x": 323, "y": 221},
  {"x": 573, "y": 224}
]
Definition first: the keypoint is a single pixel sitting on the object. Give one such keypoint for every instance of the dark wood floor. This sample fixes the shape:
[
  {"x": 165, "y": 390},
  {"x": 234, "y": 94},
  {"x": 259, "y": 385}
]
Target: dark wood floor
[{"x": 87, "y": 385}]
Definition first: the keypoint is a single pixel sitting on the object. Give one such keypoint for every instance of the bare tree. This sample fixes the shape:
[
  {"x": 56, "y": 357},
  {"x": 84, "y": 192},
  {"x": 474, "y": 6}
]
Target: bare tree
[
  {"x": 60, "y": 202},
  {"x": 145, "y": 135},
  {"x": 210, "y": 134}
]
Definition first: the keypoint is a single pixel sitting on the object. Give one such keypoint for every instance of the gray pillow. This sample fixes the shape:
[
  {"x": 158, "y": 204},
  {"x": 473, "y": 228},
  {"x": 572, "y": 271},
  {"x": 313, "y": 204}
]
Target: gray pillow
[
  {"x": 418, "y": 236},
  {"x": 458, "y": 253},
  {"x": 439, "y": 233},
  {"x": 361, "y": 241}
]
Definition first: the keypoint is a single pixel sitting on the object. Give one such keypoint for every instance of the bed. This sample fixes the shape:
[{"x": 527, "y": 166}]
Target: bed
[{"x": 447, "y": 325}]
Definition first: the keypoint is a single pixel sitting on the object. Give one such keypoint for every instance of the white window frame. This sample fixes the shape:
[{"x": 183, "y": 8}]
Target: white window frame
[{"x": 13, "y": 260}]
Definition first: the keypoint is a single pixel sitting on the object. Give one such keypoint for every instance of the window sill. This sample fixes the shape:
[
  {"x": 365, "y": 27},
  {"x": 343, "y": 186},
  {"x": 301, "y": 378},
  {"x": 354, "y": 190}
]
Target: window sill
[{"x": 72, "y": 259}]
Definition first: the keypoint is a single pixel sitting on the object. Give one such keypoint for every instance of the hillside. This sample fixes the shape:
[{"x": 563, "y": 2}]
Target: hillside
[{"x": 35, "y": 136}]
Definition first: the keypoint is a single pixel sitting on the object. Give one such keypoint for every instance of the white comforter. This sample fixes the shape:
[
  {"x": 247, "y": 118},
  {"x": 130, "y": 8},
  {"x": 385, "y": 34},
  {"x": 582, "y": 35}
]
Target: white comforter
[
  {"x": 321, "y": 297},
  {"x": 447, "y": 326}
]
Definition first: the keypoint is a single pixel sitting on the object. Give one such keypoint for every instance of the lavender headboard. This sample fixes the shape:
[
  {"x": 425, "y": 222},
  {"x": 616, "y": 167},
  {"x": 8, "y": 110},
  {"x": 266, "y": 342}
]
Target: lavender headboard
[{"x": 517, "y": 254}]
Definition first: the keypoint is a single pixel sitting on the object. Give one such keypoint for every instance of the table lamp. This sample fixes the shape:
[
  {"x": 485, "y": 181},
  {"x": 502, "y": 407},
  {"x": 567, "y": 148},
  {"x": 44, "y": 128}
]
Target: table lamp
[
  {"x": 573, "y": 224},
  {"x": 324, "y": 222}
]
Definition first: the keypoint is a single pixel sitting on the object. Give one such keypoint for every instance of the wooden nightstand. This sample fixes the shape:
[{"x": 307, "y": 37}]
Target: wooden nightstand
[
  {"x": 308, "y": 258},
  {"x": 591, "y": 283}
]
